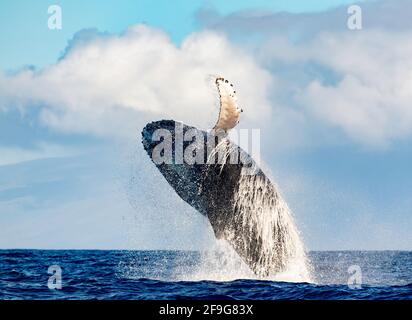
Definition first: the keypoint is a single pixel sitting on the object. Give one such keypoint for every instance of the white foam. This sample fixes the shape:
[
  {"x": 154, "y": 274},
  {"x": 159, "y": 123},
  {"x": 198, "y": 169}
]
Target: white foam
[{"x": 263, "y": 213}]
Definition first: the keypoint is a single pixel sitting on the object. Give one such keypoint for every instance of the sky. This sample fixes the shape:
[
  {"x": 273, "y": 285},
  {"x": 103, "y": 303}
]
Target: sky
[{"x": 333, "y": 106}]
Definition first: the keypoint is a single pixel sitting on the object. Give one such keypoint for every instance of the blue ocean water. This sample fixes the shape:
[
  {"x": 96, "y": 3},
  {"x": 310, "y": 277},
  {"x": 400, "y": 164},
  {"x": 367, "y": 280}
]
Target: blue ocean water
[{"x": 95, "y": 274}]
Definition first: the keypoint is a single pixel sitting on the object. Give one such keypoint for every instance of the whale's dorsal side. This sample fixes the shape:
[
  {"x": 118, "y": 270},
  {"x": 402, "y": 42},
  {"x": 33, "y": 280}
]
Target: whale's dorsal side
[{"x": 240, "y": 207}]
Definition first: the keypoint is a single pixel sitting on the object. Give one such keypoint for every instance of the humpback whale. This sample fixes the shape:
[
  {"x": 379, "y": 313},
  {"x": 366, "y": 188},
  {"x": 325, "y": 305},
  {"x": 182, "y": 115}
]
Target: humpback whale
[
  {"x": 243, "y": 206},
  {"x": 224, "y": 183}
]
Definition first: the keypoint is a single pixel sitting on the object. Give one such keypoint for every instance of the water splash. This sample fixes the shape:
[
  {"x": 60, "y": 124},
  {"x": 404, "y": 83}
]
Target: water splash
[
  {"x": 220, "y": 263},
  {"x": 264, "y": 219},
  {"x": 266, "y": 216}
]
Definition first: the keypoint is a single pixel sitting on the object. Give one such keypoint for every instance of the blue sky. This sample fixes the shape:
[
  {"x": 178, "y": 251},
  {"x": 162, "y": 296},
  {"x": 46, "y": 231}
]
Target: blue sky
[
  {"x": 23, "y": 23},
  {"x": 72, "y": 174}
]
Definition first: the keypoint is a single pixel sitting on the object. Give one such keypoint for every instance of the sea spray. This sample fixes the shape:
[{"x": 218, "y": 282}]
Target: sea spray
[
  {"x": 242, "y": 205},
  {"x": 265, "y": 219},
  {"x": 267, "y": 215}
]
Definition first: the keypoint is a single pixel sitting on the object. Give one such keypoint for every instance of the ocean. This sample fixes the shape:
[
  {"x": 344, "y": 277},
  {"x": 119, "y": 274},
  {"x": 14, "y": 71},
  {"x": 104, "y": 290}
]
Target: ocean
[{"x": 130, "y": 275}]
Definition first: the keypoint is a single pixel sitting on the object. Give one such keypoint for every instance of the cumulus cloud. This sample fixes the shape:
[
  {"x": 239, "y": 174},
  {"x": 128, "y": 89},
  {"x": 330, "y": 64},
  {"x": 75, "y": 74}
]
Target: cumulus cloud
[
  {"x": 305, "y": 78},
  {"x": 359, "y": 82},
  {"x": 111, "y": 84},
  {"x": 372, "y": 96}
]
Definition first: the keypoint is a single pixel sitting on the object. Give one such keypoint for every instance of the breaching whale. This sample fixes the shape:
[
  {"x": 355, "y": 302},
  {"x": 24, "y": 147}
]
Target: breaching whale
[
  {"x": 241, "y": 203},
  {"x": 224, "y": 183}
]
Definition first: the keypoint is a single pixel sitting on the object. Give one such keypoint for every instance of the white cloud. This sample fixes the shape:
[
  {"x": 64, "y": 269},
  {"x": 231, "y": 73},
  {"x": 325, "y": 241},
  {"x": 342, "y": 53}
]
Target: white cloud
[
  {"x": 304, "y": 81},
  {"x": 359, "y": 82},
  {"x": 108, "y": 85},
  {"x": 372, "y": 100}
]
